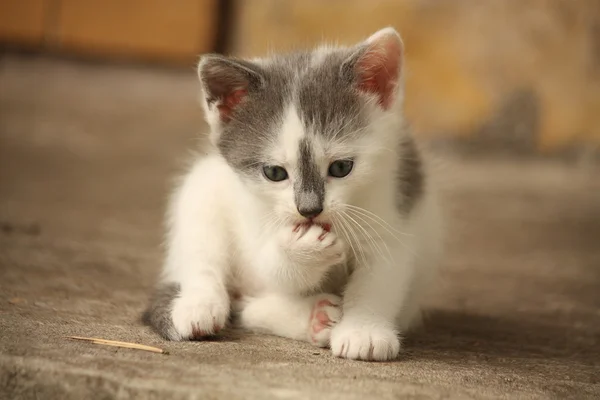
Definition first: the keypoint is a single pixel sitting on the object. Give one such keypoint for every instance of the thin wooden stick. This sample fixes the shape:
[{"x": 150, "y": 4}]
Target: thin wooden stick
[{"x": 117, "y": 343}]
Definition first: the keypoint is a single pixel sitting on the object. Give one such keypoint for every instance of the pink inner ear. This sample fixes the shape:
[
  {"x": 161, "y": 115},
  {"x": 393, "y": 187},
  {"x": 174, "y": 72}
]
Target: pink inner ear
[
  {"x": 229, "y": 102},
  {"x": 379, "y": 69}
]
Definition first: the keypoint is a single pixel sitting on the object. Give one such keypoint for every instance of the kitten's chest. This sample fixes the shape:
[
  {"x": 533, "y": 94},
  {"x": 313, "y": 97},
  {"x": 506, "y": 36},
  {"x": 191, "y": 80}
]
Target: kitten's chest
[{"x": 245, "y": 267}]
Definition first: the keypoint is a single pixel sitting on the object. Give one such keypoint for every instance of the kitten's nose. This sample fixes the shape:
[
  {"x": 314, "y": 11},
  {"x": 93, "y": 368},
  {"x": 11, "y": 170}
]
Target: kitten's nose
[{"x": 310, "y": 212}]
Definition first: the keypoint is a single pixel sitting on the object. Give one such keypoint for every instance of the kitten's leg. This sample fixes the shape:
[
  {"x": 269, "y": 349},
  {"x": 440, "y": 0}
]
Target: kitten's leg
[
  {"x": 202, "y": 308},
  {"x": 196, "y": 264},
  {"x": 302, "y": 318},
  {"x": 199, "y": 310},
  {"x": 372, "y": 300}
]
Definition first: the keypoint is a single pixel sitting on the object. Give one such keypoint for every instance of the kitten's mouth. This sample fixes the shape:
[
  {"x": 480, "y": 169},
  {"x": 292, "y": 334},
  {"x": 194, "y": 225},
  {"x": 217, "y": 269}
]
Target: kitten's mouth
[{"x": 306, "y": 223}]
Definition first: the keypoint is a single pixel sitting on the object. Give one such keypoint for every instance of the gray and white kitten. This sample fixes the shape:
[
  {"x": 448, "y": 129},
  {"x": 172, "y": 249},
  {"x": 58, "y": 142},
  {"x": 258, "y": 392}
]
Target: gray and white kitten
[{"x": 311, "y": 215}]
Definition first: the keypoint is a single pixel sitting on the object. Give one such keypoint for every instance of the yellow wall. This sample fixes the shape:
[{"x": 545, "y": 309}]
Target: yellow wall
[{"x": 465, "y": 58}]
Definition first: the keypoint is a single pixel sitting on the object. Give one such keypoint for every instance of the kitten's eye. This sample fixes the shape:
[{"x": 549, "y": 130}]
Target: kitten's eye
[
  {"x": 275, "y": 173},
  {"x": 340, "y": 168}
]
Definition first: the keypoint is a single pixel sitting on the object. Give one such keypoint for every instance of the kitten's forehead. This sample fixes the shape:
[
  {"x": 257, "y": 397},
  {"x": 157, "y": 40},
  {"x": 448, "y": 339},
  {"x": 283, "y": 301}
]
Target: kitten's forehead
[
  {"x": 294, "y": 139},
  {"x": 292, "y": 133},
  {"x": 327, "y": 100},
  {"x": 324, "y": 94}
]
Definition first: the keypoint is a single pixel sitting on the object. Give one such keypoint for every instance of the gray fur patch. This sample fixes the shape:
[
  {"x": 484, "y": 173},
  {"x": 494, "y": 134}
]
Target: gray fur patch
[
  {"x": 310, "y": 188},
  {"x": 411, "y": 177},
  {"x": 254, "y": 123},
  {"x": 158, "y": 313},
  {"x": 325, "y": 95},
  {"x": 328, "y": 101}
]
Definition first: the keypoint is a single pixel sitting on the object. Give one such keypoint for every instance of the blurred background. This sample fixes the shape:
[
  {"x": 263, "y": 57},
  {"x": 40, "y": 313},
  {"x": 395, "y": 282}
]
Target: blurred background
[
  {"x": 519, "y": 76},
  {"x": 99, "y": 109}
]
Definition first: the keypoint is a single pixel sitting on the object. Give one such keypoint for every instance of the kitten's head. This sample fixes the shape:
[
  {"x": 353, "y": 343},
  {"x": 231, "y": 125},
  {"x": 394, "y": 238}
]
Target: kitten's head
[{"x": 307, "y": 131}]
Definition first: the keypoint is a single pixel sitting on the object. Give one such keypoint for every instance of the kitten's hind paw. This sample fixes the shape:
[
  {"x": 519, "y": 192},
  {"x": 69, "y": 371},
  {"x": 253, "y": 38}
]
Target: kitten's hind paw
[{"x": 326, "y": 313}]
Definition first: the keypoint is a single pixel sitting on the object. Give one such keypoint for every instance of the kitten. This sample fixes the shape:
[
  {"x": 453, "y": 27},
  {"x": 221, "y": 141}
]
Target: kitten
[{"x": 311, "y": 215}]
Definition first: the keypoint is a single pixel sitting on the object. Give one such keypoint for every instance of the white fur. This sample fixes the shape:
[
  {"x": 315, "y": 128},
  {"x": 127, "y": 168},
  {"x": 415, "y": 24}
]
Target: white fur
[{"x": 225, "y": 237}]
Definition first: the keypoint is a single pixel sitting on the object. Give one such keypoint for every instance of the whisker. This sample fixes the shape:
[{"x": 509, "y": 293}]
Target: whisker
[
  {"x": 387, "y": 229},
  {"x": 372, "y": 242},
  {"x": 357, "y": 242},
  {"x": 337, "y": 224},
  {"x": 376, "y": 218}
]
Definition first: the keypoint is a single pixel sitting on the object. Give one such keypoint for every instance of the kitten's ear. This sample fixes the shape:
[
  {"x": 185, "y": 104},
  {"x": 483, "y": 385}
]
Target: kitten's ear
[
  {"x": 377, "y": 65},
  {"x": 226, "y": 82}
]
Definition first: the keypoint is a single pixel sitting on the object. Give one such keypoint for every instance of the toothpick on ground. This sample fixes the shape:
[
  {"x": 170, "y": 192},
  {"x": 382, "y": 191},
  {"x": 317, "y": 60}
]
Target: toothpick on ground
[{"x": 117, "y": 343}]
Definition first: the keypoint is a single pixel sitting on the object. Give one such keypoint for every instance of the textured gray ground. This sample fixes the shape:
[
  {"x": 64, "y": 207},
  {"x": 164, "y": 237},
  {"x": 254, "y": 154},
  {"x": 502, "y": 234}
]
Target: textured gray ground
[{"x": 86, "y": 153}]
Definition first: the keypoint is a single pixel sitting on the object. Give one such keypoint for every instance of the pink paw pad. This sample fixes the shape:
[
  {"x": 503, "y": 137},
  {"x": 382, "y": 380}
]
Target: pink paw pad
[
  {"x": 322, "y": 321},
  {"x": 324, "y": 315}
]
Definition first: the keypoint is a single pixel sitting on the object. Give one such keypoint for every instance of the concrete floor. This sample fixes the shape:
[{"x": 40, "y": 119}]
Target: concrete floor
[{"x": 86, "y": 157}]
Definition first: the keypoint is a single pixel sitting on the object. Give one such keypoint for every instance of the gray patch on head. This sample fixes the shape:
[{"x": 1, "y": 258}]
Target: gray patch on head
[
  {"x": 309, "y": 189},
  {"x": 328, "y": 101},
  {"x": 254, "y": 123},
  {"x": 411, "y": 177},
  {"x": 158, "y": 315}
]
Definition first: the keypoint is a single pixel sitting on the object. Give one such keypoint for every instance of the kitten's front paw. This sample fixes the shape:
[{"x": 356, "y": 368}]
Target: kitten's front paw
[
  {"x": 368, "y": 343},
  {"x": 198, "y": 316},
  {"x": 326, "y": 313},
  {"x": 314, "y": 242}
]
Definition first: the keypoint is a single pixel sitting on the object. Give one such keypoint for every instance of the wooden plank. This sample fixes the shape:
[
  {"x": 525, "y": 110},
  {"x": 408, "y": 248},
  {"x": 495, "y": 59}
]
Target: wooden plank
[
  {"x": 22, "y": 21},
  {"x": 155, "y": 29}
]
